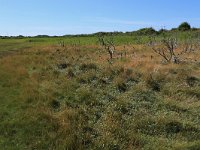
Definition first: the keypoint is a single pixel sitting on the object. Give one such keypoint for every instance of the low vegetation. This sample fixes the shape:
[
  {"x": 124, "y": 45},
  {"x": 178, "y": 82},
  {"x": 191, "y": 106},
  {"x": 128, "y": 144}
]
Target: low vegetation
[{"x": 63, "y": 93}]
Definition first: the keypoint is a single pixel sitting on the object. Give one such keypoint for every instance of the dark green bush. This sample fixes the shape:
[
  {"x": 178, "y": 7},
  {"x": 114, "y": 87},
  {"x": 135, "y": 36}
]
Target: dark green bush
[
  {"x": 122, "y": 87},
  {"x": 89, "y": 66},
  {"x": 173, "y": 127},
  {"x": 192, "y": 81},
  {"x": 146, "y": 31},
  {"x": 55, "y": 104},
  {"x": 184, "y": 26}
]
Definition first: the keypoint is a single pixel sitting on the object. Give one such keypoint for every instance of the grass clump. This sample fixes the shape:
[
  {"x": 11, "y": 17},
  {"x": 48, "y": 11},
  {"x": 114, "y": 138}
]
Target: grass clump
[{"x": 70, "y": 97}]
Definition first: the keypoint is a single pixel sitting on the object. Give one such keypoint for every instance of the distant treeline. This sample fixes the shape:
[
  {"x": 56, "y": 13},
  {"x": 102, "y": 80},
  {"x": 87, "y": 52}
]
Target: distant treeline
[{"x": 141, "y": 32}]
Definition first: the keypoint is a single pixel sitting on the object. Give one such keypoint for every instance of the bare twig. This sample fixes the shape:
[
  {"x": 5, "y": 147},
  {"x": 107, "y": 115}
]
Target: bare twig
[{"x": 108, "y": 44}]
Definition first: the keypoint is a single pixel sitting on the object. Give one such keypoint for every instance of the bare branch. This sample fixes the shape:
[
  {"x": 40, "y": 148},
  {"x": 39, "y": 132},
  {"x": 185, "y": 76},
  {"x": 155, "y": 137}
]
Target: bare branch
[
  {"x": 108, "y": 44},
  {"x": 170, "y": 49}
]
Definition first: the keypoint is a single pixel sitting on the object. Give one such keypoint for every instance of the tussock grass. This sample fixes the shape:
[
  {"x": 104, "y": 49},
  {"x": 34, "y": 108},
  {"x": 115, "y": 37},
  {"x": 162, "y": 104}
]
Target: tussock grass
[{"x": 71, "y": 97}]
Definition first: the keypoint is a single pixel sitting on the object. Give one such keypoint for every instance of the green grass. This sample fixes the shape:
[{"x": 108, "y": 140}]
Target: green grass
[{"x": 54, "y": 97}]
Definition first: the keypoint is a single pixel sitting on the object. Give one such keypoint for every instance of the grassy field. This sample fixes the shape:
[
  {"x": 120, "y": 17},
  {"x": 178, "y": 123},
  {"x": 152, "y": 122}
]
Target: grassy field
[{"x": 71, "y": 97}]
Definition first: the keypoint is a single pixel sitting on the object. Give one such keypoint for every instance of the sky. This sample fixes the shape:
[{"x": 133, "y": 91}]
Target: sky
[{"x": 61, "y": 17}]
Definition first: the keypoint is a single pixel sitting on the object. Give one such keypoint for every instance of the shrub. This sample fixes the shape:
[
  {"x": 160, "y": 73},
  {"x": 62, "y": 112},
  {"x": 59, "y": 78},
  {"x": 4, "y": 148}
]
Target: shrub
[
  {"x": 184, "y": 26},
  {"x": 154, "y": 84},
  {"x": 63, "y": 66},
  {"x": 89, "y": 66},
  {"x": 146, "y": 31},
  {"x": 173, "y": 127},
  {"x": 192, "y": 81},
  {"x": 122, "y": 87},
  {"x": 55, "y": 104},
  {"x": 162, "y": 31}
]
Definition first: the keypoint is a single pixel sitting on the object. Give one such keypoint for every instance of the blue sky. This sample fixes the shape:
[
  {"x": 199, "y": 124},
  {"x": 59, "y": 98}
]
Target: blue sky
[{"x": 59, "y": 17}]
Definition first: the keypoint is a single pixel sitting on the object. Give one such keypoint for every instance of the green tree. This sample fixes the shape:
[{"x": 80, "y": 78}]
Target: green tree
[
  {"x": 146, "y": 31},
  {"x": 184, "y": 26}
]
